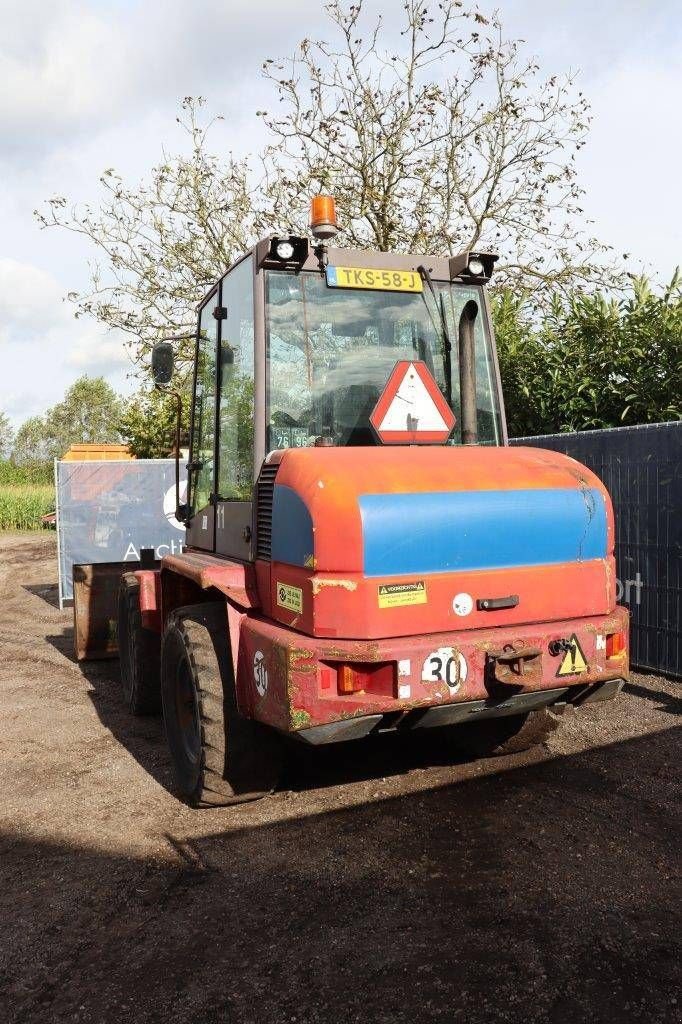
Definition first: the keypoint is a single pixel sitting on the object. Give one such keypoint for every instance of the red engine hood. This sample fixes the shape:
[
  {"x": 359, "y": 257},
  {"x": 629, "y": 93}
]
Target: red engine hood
[{"x": 476, "y": 520}]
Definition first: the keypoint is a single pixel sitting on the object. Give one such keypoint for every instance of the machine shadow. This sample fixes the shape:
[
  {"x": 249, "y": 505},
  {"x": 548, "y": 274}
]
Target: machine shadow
[
  {"x": 538, "y": 894},
  {"x": 143, "y": 736},
  {"x": 49, "y": 592},
  {"x": 665, "y": 701},
  {"x": 305, "y": 768}
]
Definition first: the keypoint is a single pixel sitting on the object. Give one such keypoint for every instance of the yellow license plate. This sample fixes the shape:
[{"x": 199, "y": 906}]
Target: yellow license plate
[{"x": 383, "y": 280}]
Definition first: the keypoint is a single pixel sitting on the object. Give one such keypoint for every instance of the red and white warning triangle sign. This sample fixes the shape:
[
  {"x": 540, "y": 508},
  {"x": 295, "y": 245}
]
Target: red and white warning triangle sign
[{"x": 412, "y": 409}]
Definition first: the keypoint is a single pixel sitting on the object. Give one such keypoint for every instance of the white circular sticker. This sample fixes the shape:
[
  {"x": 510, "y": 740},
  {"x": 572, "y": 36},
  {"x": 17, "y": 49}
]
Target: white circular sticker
[
  {"x": 462, "y": 604},
  {"x": 260, "y": 673}
]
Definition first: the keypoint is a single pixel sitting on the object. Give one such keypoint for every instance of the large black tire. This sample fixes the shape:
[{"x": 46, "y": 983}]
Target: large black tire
[
  {"x": 511, "y": 734},
  {"x": 139, "y": 652},
  {"x": 219, "y": 757}
]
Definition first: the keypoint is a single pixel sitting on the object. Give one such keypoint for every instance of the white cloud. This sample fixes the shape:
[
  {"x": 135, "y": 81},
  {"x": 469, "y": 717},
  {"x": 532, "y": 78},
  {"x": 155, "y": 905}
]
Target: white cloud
[
  {"x": 97, "y": 354},
  {"x": 632, "y": 165},
  {"x": 33, "y": 310},
  {"x": 628, "y": 56},
  {"x": 43, "y": 348},
  {"x": 71, "y": 68},
  {"x": 24, "y": 289},
  {"x": 61, "y": 66}
]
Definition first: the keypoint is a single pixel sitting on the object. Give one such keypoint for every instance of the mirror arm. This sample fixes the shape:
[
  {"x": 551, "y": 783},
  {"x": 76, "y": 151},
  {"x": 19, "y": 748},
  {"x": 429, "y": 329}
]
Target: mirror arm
[
  {"x": 180, "y": 513},
  {"x": 180, "y": 508}
]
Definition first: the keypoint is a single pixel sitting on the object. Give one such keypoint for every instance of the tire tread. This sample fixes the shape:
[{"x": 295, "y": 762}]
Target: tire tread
[
  {"x": 239, "y": 758},
  {"x": 140, "y": 666}
]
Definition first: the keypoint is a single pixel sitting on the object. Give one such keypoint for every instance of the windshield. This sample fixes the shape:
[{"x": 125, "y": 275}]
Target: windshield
[{"x": 331, "y": 350}]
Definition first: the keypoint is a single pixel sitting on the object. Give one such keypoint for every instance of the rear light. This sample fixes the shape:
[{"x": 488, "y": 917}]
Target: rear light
[
  {"x": 367, "y": 678},
  {"x": 615, "y": 644}
]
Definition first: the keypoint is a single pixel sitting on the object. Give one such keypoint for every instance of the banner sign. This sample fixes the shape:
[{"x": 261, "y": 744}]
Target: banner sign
[{"x": 107, "y": 511}]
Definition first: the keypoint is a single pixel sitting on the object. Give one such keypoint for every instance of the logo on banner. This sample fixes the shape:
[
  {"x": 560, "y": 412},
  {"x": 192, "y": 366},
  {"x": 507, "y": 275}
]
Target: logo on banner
[
  {"x": 412, "y": 409},
  {"x": 169, "y": 504}
]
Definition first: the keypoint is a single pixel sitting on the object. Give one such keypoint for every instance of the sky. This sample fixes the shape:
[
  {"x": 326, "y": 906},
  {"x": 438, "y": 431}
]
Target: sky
[{"x": 91, "y": 84}]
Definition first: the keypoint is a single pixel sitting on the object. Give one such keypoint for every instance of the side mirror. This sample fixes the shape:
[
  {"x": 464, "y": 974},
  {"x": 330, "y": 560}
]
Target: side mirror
[{"x": 162, "y": 362}]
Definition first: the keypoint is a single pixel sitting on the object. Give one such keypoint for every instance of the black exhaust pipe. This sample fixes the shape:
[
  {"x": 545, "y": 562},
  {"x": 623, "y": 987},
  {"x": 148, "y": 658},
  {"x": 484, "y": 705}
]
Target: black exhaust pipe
[{"x": 467, "y": 373}]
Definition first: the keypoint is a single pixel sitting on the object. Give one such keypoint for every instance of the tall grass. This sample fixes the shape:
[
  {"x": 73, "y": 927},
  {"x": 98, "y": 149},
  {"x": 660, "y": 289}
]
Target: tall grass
[{"x": 22, "y": 505}]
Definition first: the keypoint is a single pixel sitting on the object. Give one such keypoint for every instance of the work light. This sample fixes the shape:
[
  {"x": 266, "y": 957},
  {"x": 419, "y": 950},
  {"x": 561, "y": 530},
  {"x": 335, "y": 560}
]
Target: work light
[
  {"x": 284, "y": 250},
  {"x": 472, "y": 266}
]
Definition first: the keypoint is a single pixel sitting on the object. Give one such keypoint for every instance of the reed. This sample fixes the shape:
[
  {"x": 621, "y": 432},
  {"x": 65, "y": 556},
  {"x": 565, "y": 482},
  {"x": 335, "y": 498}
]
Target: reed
[{"x": 22, "y": 505}]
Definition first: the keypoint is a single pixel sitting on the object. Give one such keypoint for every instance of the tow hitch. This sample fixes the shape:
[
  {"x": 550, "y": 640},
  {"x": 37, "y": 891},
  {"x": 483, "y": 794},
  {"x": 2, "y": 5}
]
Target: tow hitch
[{"x": 513, "y": 666}]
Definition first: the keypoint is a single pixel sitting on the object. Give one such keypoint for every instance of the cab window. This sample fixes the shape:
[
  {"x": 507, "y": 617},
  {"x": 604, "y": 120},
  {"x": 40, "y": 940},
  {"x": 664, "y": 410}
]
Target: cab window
[
  {"x": 203, "y": 414},
  {"x": 236, "y": 409}
]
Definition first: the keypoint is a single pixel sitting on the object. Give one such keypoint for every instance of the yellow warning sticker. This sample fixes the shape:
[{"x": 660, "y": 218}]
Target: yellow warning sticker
[
  {"x": 396, "y": 595},
  {"x": 574, "y": 661},
  {"x": 289, "y": 597}
]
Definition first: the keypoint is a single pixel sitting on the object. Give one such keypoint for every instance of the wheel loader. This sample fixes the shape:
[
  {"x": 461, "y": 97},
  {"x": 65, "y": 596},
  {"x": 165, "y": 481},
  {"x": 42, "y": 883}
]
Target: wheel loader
[{"x": 364, "y": 553}]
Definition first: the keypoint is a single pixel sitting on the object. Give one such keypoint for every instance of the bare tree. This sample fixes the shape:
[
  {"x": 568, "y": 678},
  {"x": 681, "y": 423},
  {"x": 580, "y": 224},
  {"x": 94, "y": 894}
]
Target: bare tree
[
  {"x": 161, "y": 244},
  {"x": 448, "y": 140}
]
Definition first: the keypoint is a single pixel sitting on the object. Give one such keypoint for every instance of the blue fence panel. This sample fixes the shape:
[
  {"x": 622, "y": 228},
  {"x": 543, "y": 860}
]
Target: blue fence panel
[
  {"x": 642, "y": 469},
  {"x": 107, "y": 511}
]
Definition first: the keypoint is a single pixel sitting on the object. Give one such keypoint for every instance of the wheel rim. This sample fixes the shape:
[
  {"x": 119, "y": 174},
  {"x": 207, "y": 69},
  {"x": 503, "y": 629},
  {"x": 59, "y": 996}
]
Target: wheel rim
[{"x": 187, "y": 713}]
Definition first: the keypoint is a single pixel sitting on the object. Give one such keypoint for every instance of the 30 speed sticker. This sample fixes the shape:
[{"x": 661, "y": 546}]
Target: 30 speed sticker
[
  {"x": 290, "y": 597},
  {"x": 446, "y": 665}
]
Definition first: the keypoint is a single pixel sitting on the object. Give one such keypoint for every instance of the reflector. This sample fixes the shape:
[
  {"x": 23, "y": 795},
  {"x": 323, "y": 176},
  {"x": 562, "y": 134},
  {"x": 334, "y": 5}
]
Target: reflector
[
  {"x": 615, "y": 644},
  {"x": 349, "y": 681}
]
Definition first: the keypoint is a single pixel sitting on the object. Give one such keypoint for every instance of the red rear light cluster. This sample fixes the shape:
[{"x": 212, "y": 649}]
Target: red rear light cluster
[
  {"x": 354, "y": 677},
  {"x": 615, "y": 644}
]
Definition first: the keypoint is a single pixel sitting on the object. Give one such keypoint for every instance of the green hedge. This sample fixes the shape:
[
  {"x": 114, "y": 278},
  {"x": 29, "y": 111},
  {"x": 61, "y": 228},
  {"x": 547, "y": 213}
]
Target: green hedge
[
  {"x": 22, "y": 505},
  {"x": 36, "y": 473}
]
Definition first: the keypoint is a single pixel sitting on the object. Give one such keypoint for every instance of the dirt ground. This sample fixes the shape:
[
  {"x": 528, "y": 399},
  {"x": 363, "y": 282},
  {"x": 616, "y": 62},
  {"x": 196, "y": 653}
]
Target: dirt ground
[{"x": 385, "y": 882}]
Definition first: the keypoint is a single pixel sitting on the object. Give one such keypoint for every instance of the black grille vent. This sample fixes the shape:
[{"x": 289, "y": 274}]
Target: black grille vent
[{"x": 265, "y": 490}]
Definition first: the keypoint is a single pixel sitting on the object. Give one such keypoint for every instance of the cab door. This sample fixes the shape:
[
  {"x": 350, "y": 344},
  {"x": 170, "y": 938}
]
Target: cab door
[
  {"x": 235, "y": 470},
  {"x": 201, "y": 527}
]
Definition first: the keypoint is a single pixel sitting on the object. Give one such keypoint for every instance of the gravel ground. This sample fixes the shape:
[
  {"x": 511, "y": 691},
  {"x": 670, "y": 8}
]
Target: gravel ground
[{"x": 387, "y": 881}]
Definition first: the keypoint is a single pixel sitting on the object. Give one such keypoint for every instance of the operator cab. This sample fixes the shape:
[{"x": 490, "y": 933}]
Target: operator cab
[{"x": 295, "y": 345}]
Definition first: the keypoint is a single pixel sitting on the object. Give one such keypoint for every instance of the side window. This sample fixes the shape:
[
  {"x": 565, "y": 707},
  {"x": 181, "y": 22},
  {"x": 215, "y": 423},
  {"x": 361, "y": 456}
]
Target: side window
[
  {"x": 236, "y": 412},
  {"x": 203, "y": 435}
]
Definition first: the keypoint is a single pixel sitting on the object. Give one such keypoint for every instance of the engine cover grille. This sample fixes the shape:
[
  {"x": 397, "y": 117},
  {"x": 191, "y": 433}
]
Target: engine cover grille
[{"x": 264, "y": 493}]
